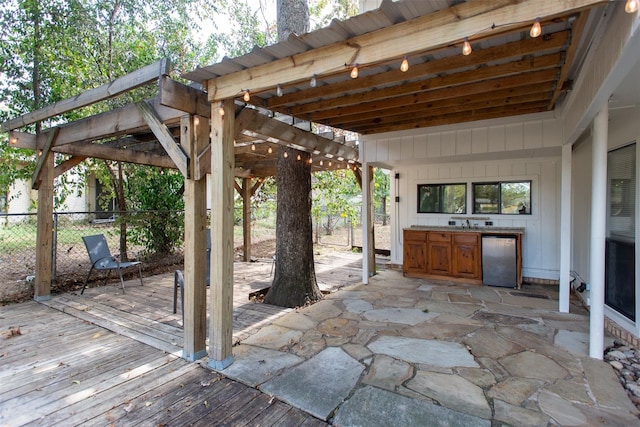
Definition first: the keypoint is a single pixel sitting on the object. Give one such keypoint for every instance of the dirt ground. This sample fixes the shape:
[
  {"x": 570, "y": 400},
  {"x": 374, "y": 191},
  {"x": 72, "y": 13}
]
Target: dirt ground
[{"x": 15, "y": 289}]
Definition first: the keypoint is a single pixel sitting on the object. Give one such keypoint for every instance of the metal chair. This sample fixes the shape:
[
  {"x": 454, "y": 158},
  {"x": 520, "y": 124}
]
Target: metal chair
[
  {"x": 101, "y": 259},
  {"x": 178, "y": 279}
]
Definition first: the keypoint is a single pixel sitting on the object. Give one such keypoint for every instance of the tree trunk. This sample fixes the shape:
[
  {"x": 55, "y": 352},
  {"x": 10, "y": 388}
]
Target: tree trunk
[
  {"x": 118, "y": 187},
  {"x": 294, "y": 283},
  {"x": 384, "y": 210}
]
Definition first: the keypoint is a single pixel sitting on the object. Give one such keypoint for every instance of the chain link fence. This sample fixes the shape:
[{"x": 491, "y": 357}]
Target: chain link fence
[{"x": 71, "y": 262}]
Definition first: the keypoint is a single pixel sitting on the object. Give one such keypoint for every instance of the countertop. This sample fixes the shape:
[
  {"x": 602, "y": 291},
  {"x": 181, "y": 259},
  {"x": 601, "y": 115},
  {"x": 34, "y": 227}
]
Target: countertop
[{"x": 460, "y": 229}]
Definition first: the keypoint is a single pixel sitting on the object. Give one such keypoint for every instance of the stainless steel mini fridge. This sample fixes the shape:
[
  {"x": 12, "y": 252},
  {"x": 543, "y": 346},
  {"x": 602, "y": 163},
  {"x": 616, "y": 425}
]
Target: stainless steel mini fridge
[{"x": 499, "y": 260}]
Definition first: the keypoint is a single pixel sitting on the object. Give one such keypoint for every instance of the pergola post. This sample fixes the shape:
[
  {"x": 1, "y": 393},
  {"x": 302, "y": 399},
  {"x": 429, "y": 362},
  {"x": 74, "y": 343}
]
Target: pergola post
[
  {"x": 368, "y": 241},
  {"x": 44, "y": 236},
  {"x": 194, "y": 137},
  {"x": 565, "y": 230},
  {"x": 246, "y": 218},
  {"x": 221, "y": 281}
]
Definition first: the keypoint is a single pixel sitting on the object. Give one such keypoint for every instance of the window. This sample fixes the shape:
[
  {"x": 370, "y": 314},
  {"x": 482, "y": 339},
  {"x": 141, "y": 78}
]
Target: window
[
  {"x": 442, "y": 198},
  {"x": 505, "y": 198}
]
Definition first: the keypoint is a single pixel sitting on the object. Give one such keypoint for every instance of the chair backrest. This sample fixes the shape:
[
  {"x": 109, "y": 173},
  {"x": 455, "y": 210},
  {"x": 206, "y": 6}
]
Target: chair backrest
[{"x": 96, "y": 247}]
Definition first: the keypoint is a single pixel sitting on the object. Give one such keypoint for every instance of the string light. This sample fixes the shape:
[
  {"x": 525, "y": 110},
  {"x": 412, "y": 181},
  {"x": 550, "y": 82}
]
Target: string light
[
  {"x": 221, "y": 109},
  {"x": 298, "y": 158},
  {"x": 270, "y": 150},
  {"x": 354, "y": 71},
  {"x": 313, "y": 81},
  {"x": 405, "y": 64},
  {"x": 196, "y": 121},
  {"x": 247, "y": 96},
  {"x": 631, "y": 6},
  {"x": 13, "y": 140},
  {"x": 329, "y": 163},
  {"x": 285, "y": 155},
  {"x": 536, "y": 29},
  {"x": 466, "y": 47},
  {"x": 321, "y": 162},
  {"x": 310, "y": 160},
  {"x": 278, "y": 90},
  {"x": 253, "y": 147}
]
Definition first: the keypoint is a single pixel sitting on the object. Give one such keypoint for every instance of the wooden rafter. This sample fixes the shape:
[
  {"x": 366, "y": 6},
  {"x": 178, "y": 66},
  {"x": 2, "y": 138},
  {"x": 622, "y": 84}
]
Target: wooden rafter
[
  {"x": 125, "y": 83},
  {"x": 42, "y": 156},
  {"x": 67, "y": 165}
]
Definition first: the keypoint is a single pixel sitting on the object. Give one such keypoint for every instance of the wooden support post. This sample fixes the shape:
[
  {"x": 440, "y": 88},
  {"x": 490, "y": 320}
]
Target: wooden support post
[
  {"x": 44, "y": 236},
  {"x": 246, "y": 218},
  {"x": 221, "y": 293},
  {"x": 42, "y": 157},
  {"x": 194, "y": 135}
]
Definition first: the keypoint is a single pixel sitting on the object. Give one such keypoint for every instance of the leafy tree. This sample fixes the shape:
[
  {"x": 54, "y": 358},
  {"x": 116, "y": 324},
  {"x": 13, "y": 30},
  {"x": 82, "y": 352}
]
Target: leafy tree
[
  {"x": 380, "y": 192},
  {"x": 334, "y": 192}
]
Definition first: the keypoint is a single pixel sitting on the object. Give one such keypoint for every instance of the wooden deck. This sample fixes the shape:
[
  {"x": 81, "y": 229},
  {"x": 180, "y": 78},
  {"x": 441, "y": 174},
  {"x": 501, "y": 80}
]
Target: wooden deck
[{"x": 104, "y": 358}]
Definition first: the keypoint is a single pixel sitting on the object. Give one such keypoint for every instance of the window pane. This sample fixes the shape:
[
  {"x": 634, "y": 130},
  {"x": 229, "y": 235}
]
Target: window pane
[
  {"x": 442, "y": 198},
  {"x": 429, "y": 199},
  {"x": 515, "y": 197},
  {"x": 485, "y": 198},
  {"x": 454, "y": 199}
]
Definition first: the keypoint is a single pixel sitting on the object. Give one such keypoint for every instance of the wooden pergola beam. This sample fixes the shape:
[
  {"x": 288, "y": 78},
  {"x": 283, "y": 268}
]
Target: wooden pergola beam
[
  {"x": 165, "y": 138},
  {"x": 36, "y": 178},
  {"x": 97, "y": 151},
  {"x": 252, "y": 120},
  {"x": 428, "y": 32},
  {"x": 120, "y": 85},
  {"x": 185, "y": 98}
]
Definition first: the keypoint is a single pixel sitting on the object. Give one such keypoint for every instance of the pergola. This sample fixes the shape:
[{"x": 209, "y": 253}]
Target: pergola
[{"x": 307, "y": 79}]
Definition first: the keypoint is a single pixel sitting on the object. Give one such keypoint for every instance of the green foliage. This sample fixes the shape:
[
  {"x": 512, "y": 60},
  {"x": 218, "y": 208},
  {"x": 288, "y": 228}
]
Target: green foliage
[
  {"x": 323, "y": 11},
  {"x": 334, "y": 194},
  {"x": 163, "y": 232}
]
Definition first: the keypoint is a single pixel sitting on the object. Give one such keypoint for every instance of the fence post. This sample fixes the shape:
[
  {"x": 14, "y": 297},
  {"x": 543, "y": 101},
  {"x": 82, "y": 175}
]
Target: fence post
[{"x": 54, "y": 247}]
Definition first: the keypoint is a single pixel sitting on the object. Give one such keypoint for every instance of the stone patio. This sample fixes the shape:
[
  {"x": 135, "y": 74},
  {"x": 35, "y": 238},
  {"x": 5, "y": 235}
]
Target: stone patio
[{"x": 404, "y": 351}]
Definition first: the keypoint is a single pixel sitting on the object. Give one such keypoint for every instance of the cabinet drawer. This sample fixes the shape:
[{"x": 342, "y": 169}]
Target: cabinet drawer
[
  {"x": 435, "y": 236},
  {"x": 415, "y": 236},
  {"x": 466, "y": 238}
]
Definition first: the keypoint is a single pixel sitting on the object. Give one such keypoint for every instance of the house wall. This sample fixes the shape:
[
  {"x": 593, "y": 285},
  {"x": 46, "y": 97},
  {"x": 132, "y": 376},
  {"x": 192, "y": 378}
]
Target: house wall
[
  {"x": 508, "y": 149},
  {"x": 21, "y": 198}
]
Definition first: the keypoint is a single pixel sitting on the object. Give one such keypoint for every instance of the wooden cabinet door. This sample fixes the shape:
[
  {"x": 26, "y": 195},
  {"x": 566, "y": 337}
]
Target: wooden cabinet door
[
  {"x": 466, "y": 256},
  {"x": 439, "y": 260},
  {"x": 415, "y": 256}
]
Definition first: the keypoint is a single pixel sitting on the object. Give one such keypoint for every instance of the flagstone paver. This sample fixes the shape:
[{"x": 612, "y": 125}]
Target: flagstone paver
[{"x": 414, "y": 352}]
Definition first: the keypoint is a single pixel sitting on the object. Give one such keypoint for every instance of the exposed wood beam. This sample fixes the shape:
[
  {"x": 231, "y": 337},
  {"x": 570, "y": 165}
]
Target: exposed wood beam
[
  {"x": 184, "y": 98},
  {"x": 440, "y": 94},
  {"x": 97, "y": 151},
  {"x": 165, "y": 137},
  {"x": 238, "y": 188},
  {"x": 465, "y": 116},
  {"x": 466, "y": 77},
  {"x": 471, "y": 106},
  {"x": 256, "y": 186},
  {"x": 427, "y": 32},
  {"x": 203, "y": 162},
  {"x": 576, "y": 34},
  {"x": 67, "y": 165},
  {"x": 480, "y": 57},
  {"x": 42, "y": 157},
  {"x": 252, "y": 120},
  {"x": 358, "y": 174},
  {"x": 122, "y": 121},
  {"x": 494, "y": 96},
  {"x": 125, "y": 83}
]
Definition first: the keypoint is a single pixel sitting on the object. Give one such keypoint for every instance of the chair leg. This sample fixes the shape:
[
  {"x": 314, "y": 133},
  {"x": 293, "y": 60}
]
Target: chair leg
[
  {"x": 182, "y": 302},
  {"x": 140, "y": 273},
  {"x": 86, "y": 280},
  {"x": 121, "y": 280},
  {"x": 175, "y": 292}
]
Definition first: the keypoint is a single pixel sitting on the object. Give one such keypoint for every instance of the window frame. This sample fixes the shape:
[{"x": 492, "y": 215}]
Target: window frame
[
  {"x": 442, "y": 185},
  {"x": 528, "y": 211}
]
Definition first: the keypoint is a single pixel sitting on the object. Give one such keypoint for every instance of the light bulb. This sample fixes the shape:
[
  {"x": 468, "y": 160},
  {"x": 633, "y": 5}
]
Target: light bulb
[
  {"x": 298, "y": 158},
  {"x": 285, "y": 155},
  {"x": 253, "y": 147},
  {"x": 196, "y": 121},
  {"x": 313, "y": 81},
  {"x": 631, "y": 6},
  {"x": 13, "y": 140},
  {"x": 321, "y": 162},
  {"x": 329, "y": 163},
  {"x": 310, "y": 160},
  {"x": 466, "y": 47},
  {"x": 354, "y": 72},
  {"x": 270, "y": 150},
  {"x": 247, "y": 96},
  {"x": 536, "y": 29},
  {"x": 405, "y": 64},
  {"x": 221, "y": 109},
  {"x": 278, "y": 90}
]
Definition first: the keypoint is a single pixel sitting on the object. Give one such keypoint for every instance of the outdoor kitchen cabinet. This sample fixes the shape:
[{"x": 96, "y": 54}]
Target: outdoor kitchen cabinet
[{"x": 447, "y": 252}]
